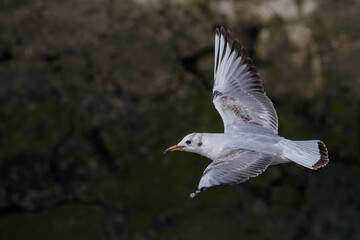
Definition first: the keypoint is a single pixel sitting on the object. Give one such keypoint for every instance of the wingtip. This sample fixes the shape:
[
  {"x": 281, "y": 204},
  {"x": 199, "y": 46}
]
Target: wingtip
[
  {"x": 236, "y": 46},
  {"x": 196, "y": 192},
  {"x": 222, "y": 30},
  {"x": 234, "y": 43},
  {"x": 245, "y": 53},
  {"x": 217, "y": 31},
  {"x": 228, "y": 37}
]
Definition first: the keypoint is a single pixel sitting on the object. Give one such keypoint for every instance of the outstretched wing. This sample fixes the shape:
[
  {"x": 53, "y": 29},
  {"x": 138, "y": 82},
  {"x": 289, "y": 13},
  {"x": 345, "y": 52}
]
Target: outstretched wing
[
  {"x": 234, "y": 167},
  {"x": 238, "y": 94}
]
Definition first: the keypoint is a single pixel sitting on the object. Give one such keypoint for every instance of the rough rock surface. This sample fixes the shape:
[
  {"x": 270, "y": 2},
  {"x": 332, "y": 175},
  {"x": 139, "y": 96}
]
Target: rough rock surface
[{"x": 92, "y": 92}]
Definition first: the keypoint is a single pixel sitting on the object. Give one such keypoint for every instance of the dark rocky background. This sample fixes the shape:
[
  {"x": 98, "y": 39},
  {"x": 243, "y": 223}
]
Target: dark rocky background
[{"x": 92, "y": 92}]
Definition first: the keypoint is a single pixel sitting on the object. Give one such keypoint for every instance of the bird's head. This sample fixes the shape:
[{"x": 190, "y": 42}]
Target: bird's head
[{"x": 190, "y": 143}]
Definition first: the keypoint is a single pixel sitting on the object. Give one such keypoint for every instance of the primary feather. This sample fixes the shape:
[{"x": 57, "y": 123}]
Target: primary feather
[{"x": 238, "y": 93}]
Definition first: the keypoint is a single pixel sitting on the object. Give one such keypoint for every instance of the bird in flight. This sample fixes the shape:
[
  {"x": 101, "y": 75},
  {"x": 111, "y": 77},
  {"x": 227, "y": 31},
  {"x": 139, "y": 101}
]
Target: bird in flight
[{"x": 250, "y": 142}]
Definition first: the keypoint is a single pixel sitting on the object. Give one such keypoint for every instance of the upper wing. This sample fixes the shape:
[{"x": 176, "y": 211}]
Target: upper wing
[
  {"x": 236, "y": 166},
  {"x": 238, "y": 93}
]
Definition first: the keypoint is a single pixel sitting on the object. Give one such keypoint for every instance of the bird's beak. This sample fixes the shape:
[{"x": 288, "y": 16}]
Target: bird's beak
[{"x": 173, "y": 148}]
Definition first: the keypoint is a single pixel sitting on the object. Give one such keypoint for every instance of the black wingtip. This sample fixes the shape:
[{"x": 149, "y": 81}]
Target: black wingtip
[
  {"x": 222, "y": 30},
  {"x": 217, "y": 31},
  {"x": 234, "y": 43}
]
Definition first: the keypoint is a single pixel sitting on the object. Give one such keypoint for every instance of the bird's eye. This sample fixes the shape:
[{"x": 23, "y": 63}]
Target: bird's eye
[{"x": 188, "y": 142}]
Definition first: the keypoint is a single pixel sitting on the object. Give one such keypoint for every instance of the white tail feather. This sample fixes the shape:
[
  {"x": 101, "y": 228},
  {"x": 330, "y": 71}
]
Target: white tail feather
[{"x": 310, "y": 154}]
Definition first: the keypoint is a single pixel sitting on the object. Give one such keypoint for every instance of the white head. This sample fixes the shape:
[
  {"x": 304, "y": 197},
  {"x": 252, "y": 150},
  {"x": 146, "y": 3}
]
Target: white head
[{"x": 190, "y": 143}]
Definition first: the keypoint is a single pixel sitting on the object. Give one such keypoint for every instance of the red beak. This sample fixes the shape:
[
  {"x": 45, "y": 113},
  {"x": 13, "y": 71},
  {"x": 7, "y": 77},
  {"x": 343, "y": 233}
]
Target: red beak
[{"x": 173, "y": 148}]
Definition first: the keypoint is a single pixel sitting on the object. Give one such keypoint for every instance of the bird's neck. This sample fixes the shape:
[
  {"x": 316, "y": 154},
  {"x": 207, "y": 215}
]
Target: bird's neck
[{"x": 212, "y": 145}]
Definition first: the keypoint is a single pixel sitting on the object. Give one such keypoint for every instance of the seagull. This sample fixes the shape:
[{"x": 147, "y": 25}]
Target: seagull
[{"x": 250, "y": 142}]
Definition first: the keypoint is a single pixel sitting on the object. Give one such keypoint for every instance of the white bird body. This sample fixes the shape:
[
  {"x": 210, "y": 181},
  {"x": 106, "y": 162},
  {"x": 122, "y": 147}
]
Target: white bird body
[
  {"x": 240, "y": 140},
  {"x": 250, "y": 142}
]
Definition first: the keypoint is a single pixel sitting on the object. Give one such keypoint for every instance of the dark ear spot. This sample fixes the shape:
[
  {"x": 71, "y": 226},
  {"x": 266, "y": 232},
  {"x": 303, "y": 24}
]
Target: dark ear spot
[{"x": 199, "y": 144}]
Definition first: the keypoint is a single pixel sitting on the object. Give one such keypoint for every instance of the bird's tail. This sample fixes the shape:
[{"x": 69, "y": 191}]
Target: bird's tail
[{"x": 309, "y": 154}]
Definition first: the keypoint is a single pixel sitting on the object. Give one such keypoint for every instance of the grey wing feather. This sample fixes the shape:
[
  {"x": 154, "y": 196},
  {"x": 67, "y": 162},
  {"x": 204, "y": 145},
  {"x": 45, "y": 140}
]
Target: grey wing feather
[
  {"x": 234, "y": 167},
  {"x": 238, "y": 93}
]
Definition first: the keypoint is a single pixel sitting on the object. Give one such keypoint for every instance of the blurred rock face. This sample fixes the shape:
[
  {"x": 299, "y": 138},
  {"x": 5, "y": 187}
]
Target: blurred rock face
[{"x": 92, "y": 92}]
